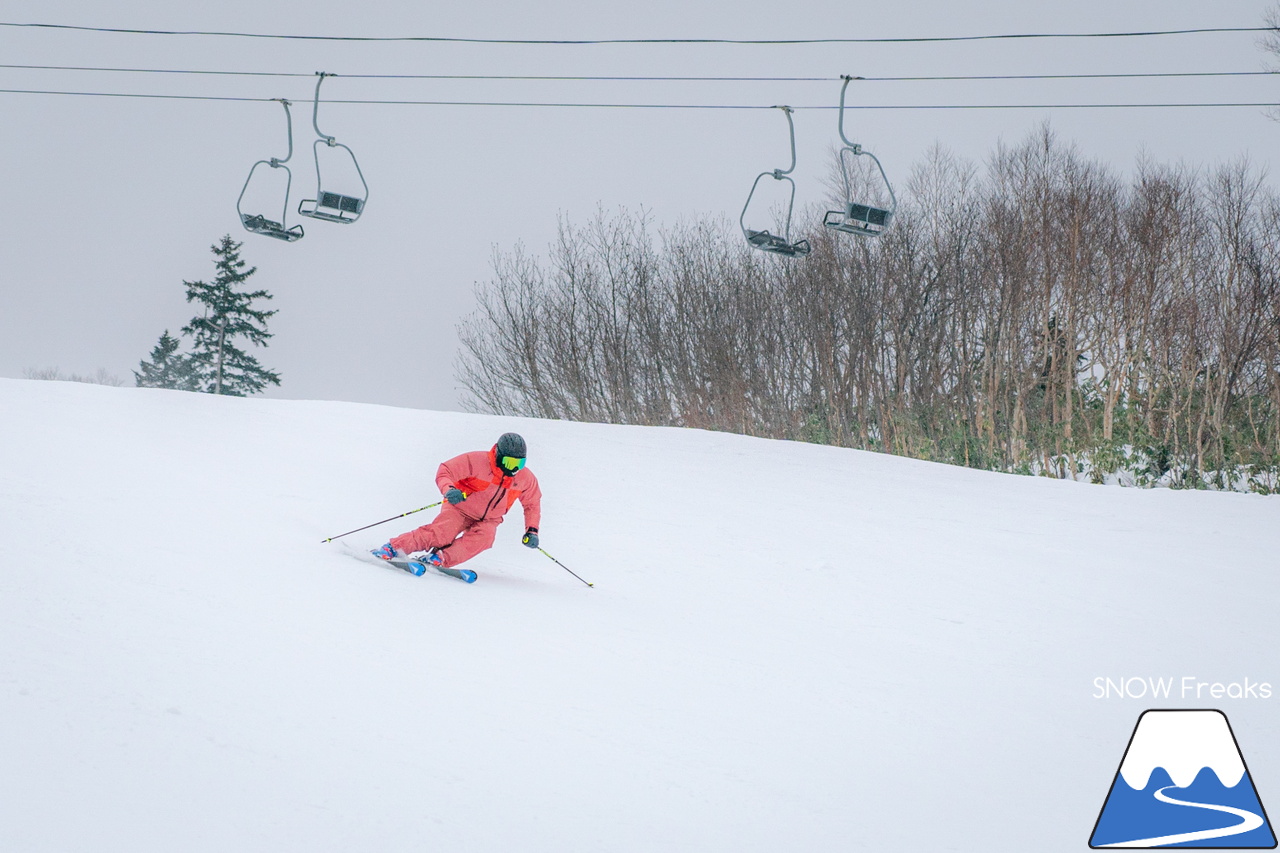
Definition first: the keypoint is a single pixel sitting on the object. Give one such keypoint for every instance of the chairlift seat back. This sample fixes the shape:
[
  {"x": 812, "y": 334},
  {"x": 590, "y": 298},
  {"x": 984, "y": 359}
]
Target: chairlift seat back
[
  {"x": 861, "y": 219},
  {"x": 333, "y": 207},
  {"x": 269, "y": 228},
  {"x": 767, "y": 242}
]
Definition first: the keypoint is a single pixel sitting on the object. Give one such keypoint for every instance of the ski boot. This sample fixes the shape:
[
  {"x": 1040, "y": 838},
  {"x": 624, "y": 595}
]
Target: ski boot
[
  {"x": 432, "y": 558},
  {"x": 418, "y": 563}
]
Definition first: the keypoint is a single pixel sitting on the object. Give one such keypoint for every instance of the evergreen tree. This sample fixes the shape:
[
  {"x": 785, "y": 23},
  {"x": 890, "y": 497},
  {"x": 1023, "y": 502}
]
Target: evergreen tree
[
  {"x": 218, "y": 365},
  {"x": 167, "y": 368}
]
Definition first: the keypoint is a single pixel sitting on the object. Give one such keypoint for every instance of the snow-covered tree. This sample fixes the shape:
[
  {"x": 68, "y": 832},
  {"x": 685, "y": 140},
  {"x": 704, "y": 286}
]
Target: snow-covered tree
[
  {"x": 219, "y": 366},
  {"x": 167, "y": 367}
]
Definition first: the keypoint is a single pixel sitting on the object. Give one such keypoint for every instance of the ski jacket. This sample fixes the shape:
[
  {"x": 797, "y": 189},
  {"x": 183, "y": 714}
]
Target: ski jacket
[{"x": 490, "y": 491}]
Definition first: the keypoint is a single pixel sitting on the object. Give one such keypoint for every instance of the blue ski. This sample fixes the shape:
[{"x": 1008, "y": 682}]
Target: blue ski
[{"x": 419, "y": 568}]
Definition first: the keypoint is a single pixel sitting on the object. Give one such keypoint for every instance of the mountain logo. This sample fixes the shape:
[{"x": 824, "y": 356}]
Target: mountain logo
[{"x": 1183, "y": 783}]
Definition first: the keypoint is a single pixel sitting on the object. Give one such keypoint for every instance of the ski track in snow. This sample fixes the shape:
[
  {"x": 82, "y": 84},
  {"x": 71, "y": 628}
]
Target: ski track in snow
[{"x": 788, "y": 647}]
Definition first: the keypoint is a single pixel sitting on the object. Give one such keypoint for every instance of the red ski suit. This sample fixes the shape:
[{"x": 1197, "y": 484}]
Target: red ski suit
[{"x": 463, "y": 530}]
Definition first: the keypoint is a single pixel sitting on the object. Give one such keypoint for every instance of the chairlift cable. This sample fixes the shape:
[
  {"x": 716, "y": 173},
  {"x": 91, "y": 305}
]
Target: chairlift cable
[
  {"x": 549, "y": 104},
  {"x": 1117, "y": 76},
  {"x": 553, "y": 42},
  {"x": 658, "y": 79},
  {"x": 503, "y": 77},
  {"x": 136, "y": 95},
  {"x": 158, "y": 70}
]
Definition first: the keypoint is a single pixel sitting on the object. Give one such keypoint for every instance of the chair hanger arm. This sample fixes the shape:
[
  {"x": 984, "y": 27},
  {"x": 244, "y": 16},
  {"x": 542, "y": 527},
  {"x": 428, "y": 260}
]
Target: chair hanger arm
[
  {"x": 791, "y": 128},
  {"x": 288, "y": 117},
  {"x": 315, "y": 110}
]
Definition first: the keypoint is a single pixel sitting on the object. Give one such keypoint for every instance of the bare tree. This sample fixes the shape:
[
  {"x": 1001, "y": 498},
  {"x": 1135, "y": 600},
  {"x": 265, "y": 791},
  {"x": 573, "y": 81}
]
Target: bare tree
[{"x": 1040, "y": 315}]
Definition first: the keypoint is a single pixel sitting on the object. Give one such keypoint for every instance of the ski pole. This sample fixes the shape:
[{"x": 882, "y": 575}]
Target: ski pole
[
  {"x": 567, "y": 569},
  {"x": 384, "y": 521}
]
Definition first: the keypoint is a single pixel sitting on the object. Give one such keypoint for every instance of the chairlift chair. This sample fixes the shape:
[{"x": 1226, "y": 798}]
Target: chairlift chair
[
  {"x": 855, "y": 217},
  {"x": 259, "y": 223},
  {"x": 331, "y": 206},
  {"x": 764, "y": 240}
]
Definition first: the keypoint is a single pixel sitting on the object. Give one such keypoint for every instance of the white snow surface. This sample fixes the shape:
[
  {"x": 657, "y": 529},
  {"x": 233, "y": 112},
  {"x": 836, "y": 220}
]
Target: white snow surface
[{"x": 788, "y": 646}]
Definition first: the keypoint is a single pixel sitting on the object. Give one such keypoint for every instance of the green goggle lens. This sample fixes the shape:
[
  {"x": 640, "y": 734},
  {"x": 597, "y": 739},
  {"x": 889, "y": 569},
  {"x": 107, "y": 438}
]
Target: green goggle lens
[{"x": 512, "y": 463}]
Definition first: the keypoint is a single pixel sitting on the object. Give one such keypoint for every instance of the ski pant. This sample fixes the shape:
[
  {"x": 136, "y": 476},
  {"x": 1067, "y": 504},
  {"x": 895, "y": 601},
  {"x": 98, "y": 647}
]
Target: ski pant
[{"x": 460, "y": 538}]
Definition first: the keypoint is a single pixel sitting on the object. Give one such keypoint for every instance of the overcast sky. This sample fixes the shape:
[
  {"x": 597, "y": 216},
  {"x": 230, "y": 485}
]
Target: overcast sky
[{"x": 110, "y": 203}]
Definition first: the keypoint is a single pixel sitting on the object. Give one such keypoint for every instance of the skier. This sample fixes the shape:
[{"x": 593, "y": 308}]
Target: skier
[{"x": 478, "y": 487}]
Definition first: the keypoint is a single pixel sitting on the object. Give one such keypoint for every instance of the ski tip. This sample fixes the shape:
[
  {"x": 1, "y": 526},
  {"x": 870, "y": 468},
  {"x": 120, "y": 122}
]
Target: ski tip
[{"x": 468, "y": 575}]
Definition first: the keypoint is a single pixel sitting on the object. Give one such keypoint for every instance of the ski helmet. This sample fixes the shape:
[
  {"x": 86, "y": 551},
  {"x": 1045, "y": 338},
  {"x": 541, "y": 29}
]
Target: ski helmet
[
  {"x": 509, "y": 453},
  {"x": 511, "y": 444}
]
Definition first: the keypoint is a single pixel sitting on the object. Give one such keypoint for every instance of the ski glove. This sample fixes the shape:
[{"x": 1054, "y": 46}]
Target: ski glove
[
  {"x": 530, "y": 539},
  {"x": 454, "y": 495}
]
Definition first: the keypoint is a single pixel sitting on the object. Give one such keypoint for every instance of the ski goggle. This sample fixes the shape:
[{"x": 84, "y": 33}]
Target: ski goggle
[{"x": 512, "y": 463}]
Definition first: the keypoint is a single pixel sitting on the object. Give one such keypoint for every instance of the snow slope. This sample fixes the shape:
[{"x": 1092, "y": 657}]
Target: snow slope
[{"x": 788, "y": 647}]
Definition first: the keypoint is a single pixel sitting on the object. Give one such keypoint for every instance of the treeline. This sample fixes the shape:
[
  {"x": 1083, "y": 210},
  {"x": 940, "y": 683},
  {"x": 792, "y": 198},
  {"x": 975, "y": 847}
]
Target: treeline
[{"x": 1044, "y": 315}]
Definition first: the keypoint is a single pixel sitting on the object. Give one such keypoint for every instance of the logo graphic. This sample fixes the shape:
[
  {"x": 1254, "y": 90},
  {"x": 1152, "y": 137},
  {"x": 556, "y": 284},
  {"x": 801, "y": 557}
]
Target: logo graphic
[{"x": 1183, "y": 783}]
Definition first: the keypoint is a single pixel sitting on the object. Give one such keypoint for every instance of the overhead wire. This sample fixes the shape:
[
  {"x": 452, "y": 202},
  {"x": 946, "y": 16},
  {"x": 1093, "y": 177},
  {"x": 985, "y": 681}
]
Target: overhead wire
[
  {"x": 657, "y": 78},
  {"x": 651, "y": 78},
  {"x": 648, "y": 78},
  {"x": 659, "y": 106},
  {"x": 513, "y": 41}
]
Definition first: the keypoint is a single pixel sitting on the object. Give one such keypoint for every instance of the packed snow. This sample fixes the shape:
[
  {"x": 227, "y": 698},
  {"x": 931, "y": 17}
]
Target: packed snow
[{"x": 788, "y": 646}]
